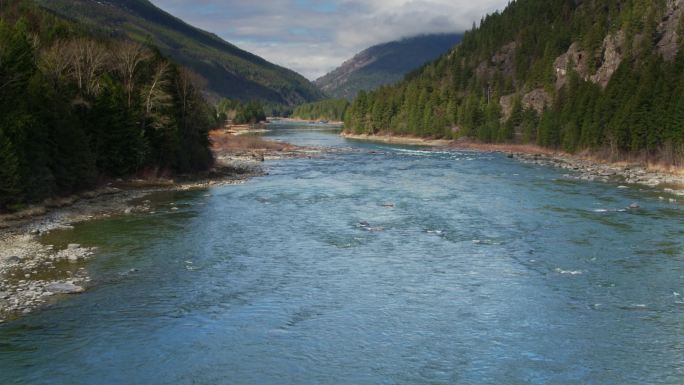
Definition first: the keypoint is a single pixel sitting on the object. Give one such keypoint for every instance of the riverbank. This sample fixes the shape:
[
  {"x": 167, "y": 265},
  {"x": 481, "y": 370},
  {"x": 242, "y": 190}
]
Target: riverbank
[
  {"x": 334, "y": 123},
  {"x": 245, "y": 129},
  {"x": 33, "y": 274},
  {"x": 586, "y": 166},
  {"x": 405, "y": 140}
]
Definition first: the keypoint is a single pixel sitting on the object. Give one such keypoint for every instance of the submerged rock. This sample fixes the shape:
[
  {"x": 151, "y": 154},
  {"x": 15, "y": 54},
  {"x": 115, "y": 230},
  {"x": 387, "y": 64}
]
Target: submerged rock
[{"x": 64, "y": 288}]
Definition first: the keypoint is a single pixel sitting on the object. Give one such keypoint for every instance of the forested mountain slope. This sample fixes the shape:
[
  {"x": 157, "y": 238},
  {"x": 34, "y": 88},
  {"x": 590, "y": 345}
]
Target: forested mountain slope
[
  {"x": 578, "y": 75},
  {"x": 384, "y": 64},
  {"x": 78, "y": 108},
  {"x": 229, "y": 71}
]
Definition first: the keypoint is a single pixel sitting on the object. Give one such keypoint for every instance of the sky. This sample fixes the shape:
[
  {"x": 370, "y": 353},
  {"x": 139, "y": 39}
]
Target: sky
[{"x": 313, "y": 37}]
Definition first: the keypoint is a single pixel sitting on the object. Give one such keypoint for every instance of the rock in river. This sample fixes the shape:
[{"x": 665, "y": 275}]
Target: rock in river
[{"x": 64, "y": 288}]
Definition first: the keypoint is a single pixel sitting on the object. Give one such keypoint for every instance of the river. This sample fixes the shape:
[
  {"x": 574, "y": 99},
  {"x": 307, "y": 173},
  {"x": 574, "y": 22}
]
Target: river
[{"x": 374, "y": 265}]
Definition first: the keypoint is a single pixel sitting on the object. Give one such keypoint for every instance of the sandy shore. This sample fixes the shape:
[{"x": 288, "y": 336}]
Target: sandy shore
[
  {"x": 583, "y": 167},
  {"x": 33, "y": 274}
]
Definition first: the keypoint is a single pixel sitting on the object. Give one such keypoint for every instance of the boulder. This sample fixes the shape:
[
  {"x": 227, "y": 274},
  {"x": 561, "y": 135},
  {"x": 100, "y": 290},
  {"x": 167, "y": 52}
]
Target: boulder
[{"x": 64, "y": 288}]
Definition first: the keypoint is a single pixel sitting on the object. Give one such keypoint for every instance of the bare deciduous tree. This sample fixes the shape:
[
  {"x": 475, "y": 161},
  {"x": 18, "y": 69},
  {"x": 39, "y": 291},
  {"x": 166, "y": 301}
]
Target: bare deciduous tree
[
  {"x": 186, "y": 87},
  {"x": 156, "y": 96},
  {"x": 88, "y": 61},
  {"x": 53, "y": 61},
  {"x": 128, "y": 58}
]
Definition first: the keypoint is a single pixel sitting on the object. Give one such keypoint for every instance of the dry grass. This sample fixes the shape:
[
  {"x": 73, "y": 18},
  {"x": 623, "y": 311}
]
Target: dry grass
[
  {"x": 226, "y": 143},
  {"x": 652, "y": 163},
  {"x": 397, "y": 139},
  {"x": 508, "y": 148}
]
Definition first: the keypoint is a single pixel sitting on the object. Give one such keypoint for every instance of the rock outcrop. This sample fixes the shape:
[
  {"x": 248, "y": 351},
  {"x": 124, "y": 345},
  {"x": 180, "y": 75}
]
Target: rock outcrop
[
  {"x": 611, "y": 58},
  {"x": 537, "y": 100},
  {"x": 506, "y": 103},
  {"x": 668, "y": 29},
  {"x": 574, "y": 59},
  {"x": 502, "y": 62}
]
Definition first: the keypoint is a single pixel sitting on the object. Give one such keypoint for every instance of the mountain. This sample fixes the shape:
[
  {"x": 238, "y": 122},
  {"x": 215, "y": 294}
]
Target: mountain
[
  {"x": 384, "y": 64},
  {"x": 229, "y": 71},
  {"x": 79, "y": 108},
  {"x": 578, "y": 75}
]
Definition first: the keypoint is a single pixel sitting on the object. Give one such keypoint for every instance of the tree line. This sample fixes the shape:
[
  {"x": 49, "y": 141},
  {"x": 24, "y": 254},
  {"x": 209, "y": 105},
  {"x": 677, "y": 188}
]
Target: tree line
[
  {"x": 640, "y": 111},
  {"x": 329, "y": 109},
  {"x": 238, "y": 112},
  {"x": 78, "y": 108}
]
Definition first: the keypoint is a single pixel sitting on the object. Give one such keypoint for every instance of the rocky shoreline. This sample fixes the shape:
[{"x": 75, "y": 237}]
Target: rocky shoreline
[
  {"x": 33, "y": 274},
  {"x": 671, "y": 181},
  {"x": 588, "y": 170}
]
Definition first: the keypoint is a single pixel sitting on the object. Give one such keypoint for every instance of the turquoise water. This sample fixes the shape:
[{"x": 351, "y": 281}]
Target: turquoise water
[{"x": 376, "y": 265}]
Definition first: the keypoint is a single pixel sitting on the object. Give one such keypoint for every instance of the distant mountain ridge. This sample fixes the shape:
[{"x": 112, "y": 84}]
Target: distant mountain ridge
[
  {"x": 229, "y": 71},
  {"x": 384, "y": 64}
]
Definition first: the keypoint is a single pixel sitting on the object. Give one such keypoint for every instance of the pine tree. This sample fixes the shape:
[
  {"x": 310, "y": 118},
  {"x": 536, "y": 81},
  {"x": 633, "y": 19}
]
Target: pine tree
[{"x": 10, "y": 189}]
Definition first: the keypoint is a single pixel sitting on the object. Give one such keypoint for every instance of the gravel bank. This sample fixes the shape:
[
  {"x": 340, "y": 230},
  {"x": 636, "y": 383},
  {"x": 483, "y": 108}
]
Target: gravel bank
[
  {"x": 587, "y": 170},
  {"x": 33, "y": 274}
]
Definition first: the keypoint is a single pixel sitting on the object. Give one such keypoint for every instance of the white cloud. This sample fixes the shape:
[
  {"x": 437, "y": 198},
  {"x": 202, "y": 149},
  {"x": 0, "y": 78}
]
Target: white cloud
[{"x": 314, "y": 36}]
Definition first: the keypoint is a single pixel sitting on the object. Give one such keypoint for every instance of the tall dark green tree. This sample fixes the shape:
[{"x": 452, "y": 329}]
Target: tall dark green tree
[{"x": 78, "y": 107}]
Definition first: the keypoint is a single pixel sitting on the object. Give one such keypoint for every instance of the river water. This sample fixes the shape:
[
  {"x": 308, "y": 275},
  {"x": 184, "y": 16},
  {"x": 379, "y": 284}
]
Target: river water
[{"x": 374, "y": 265}]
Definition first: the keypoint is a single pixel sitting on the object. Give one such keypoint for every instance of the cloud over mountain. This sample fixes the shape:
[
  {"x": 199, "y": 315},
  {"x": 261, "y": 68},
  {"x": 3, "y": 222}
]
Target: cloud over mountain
[{"x": 314, "y": 36}]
